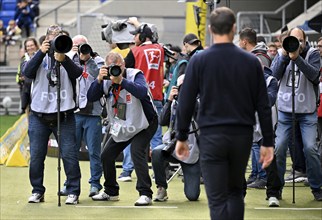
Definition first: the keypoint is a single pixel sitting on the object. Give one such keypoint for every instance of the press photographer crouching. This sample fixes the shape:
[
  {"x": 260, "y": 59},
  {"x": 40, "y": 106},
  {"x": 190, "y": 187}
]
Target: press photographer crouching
[
  {"x": 133, "y": 120},
  {"x": 53, "y": 73},
  {"x": 165, "y": 153}
]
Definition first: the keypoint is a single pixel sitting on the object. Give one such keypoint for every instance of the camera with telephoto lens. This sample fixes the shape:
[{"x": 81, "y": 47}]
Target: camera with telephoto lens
[
  {"x": 113, "y": 70},
  {"x": 291, "y": 44},
  {"x": 84, "y": 49},
  {"x": 60, "y": 44}
]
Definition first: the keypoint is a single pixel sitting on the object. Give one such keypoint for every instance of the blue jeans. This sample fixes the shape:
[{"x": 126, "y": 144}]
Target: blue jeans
[
  {"x": 38, "y": 135},
  {"x": 191, "y": 173},
  {"x": 157, "y": 138},
  {"x": 308, "y": 126},
  {"x": 89, "y": 129},
  {"x": 127, "y": 165},
  {"x": 256, "y": 165}
]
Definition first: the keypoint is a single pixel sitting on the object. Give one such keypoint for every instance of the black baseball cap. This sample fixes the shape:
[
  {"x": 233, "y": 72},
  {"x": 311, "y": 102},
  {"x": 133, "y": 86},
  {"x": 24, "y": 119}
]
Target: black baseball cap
[
  {"x": 190, "y": 39},
  {"x": 144, "y": 28}
]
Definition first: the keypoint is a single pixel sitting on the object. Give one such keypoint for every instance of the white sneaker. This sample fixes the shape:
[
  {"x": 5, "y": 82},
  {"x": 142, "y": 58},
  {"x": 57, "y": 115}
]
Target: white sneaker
[
  {"x": 143, "y": 201},
  {"x": 273, "y": 202},
  {"x": 162, "y": 195},
  {"x": 36, "y": 198},
  {"x": 102, "y": 196},
  {"x": 125, "y": 177},
  {"x": 71, "y": 200}
]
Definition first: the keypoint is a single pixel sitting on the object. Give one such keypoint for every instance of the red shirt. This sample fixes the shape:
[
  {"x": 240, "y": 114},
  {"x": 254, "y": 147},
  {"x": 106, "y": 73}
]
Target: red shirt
[{"x": 149, "y": 58}]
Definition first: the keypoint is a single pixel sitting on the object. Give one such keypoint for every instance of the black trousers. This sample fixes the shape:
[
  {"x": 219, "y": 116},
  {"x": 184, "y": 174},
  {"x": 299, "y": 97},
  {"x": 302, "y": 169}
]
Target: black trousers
[
  {"x": 224, "y": 153},
  {"x": 139, "y": 144},
  {"x": 274, "y": 184}
]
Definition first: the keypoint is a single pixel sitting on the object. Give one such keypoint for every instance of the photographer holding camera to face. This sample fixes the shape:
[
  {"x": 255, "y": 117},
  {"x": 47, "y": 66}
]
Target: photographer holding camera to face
[
  {"x": 165, "y": 152},
  {"x": 133, "y": 120},
  {"x": 88, "y": 114},
  {"x": 302, "y": 60},
  {"x": 48, "y": 69}
]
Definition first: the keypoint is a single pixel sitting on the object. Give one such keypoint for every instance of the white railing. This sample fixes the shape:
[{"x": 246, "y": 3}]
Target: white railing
[{"x": 262, "y": 14}]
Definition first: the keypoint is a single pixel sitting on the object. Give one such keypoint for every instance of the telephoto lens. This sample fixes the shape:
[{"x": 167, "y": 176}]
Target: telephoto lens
[
  {"x": 61, "y": 44},
  {"x": 85, "y": 49},
  {"x": 114, "y": 70},
  {"x": 291, "y": 44}
]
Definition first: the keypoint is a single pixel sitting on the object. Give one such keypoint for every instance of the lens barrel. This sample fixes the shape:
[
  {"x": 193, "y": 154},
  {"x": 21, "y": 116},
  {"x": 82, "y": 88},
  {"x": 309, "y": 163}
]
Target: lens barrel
[
  {"x": 85, "y": 49},
  {"x": 62, "y": 44},
  {"x": 291, "y": 44}
]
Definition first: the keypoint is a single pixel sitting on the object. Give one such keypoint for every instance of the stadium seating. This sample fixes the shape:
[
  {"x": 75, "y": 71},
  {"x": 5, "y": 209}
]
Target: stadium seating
[
  {"x": 5, "y": 16},
  {"x": 7, "y": 12},
  {"x": 8, "y": 5}
]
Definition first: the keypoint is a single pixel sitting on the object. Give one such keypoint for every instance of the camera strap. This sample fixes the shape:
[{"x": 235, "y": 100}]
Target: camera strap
[
  {"x": 195, "y": 129},
  {"x": 116, "y": 89}
]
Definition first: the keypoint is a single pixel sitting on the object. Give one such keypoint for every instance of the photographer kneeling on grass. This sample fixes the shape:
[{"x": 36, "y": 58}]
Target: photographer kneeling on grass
[
  {"x": 165, "y": 153},
  {"x": 133, "y": 119}
]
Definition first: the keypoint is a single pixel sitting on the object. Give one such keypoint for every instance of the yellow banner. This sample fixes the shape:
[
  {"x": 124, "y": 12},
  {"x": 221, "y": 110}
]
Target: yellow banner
[
  {"x": 10, "y": 138},
  {"x": 193, "y": 10},
  {"x": 20, "y": 155}
]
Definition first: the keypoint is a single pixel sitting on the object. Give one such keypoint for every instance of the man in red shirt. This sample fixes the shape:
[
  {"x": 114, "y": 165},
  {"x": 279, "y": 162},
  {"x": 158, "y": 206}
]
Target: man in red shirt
[{"x": 148, "y": 56}]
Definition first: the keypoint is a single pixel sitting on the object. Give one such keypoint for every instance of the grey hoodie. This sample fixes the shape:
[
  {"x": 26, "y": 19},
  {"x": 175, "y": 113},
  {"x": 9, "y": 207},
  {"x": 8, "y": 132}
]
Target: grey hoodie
[{"x": 260, "y": 50}]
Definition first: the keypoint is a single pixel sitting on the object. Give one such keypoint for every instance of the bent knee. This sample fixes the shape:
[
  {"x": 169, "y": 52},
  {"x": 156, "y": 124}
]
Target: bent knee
[{"x": 192, "y": 197}]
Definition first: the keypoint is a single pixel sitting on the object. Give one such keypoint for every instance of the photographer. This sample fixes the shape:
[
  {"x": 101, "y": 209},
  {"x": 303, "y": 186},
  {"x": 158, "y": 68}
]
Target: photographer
[
  {"x": 165, "y": 153},
  {"x": 306, "y": 63},
  {"x": 133, "y": 121},
  {"x": 88, "y": 114},
  {"x": 43, "y": 68},
  {"x": 148, "y": 56}
]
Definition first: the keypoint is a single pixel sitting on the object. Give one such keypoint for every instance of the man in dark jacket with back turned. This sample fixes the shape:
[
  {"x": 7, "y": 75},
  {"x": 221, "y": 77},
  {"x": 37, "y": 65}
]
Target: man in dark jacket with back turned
[{"x": 231, "y": 86}]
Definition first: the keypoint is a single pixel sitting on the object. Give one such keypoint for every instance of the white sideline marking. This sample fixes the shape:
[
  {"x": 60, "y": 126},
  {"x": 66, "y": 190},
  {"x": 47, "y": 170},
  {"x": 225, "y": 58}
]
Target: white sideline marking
[
  {"x": 294, "y": 209},
  {"x": 128, "y": 207}
]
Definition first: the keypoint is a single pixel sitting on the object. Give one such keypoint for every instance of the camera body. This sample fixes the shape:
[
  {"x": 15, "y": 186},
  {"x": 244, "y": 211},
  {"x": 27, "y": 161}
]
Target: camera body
[
  {"x": 170, "y": 147},
  {"x": 113, "y": 70}
]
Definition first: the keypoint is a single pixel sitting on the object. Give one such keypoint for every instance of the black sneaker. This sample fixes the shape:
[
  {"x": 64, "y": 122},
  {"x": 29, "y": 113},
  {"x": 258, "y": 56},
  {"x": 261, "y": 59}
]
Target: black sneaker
[
  {"x": 251, "y": 179},
  {"x": 317, "y": 195},
  {"x": 258, "y": 184}
]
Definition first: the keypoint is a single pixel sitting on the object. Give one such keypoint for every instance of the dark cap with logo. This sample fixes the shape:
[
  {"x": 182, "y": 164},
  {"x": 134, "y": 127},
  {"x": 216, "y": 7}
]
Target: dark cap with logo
[
  {"x": 144, "y": 28},
  {"x": 190, "y": 39}
]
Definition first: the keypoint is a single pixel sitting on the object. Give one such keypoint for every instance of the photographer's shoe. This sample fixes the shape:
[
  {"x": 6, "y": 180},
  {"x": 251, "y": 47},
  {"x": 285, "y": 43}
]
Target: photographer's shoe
[
  {"x": 251, "y": 179},
  {"x": 93, "y": 191},
  {"x": 63, "y": 191},
  {"x": 125, "y": 177},
  {"x": 162, "y": 195},
  {"x": 102, "y": 196},
  {"x": 258, "y": 184},
  {"x": 298, "y": 177},
  {"x": 317, "y": 195},
  {"x": 273, "y": 202},
  {"x": 36, "y": 198},
  {"x": 143, "y": 201},
  {"x": 71, "y": 200}
]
